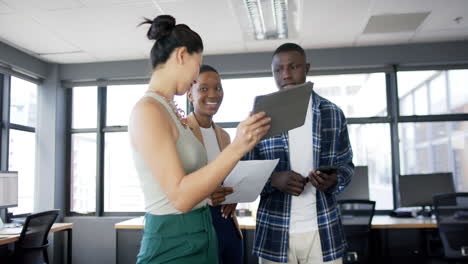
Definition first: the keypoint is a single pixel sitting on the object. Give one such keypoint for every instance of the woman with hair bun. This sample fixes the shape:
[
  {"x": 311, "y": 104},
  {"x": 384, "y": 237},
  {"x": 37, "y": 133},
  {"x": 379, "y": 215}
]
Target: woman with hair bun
[{"x": 171, "y": 163}]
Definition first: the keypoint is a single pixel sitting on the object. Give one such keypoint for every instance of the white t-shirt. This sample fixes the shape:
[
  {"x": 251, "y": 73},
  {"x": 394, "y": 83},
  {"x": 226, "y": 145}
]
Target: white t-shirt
[
  {"x": 303, "y": 207},
  {"x": 211, "y": 142}
]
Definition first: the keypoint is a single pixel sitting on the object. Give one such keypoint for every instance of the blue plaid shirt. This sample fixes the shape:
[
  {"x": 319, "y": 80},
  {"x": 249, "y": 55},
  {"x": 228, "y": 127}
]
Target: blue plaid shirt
[{"x": 331, "y": 147}]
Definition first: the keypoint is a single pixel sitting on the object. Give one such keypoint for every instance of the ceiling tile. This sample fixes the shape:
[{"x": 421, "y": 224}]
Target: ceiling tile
[
  {"x": 384, "y": 39},
  {"x": 442, "y": 13},
  {"x": 381, "y": 7},
  {"x": 328, "y": 23},
  {"x": 43, "y": 5},
  {"x": 121, "y": 50},
  {"x": 444, "y": 18},
  {"x": 225, "y": 48},
  {"x": 267, "y": 45},
  {"x": 108, "y": 21},
  {"x": 29, "y": 35},
  {"x": 117, "y": 46},
  {"x": 442, "y": 35},
  {"x": 335, "y": 16},
  {"x": 110, "y": 33},
  {"x": 214, "y": 20},
  {"x": 69, "y": 58},
  {"x": 109, "y": 3},
  {"x": 5, "y": 9},
  {"x": 105, "y": 30},
  {"x": 327, "y": 41}
]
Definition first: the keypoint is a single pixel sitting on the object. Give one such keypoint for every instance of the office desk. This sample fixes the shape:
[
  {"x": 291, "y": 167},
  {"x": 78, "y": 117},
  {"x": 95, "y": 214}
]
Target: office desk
[
  {"x": 134, "y": 223},
  {"x": 378, "y": 222},
  {"x": 394, "y": 240},
  {"x": 401, "y": 237},
  {"x": 13, "y": 236},
  {"x": 128, "y": 237},
  {"x": 388, "y": 222}
]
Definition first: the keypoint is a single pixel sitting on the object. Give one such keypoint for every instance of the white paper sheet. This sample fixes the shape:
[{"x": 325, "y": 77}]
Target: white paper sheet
[{"x": 247, "y": 179}]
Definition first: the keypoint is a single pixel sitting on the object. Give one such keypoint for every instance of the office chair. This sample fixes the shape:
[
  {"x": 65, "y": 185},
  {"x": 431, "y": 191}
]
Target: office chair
[
  {"x": 31, "y": 248},
  {"x": 357, "y": 218},
  {"x": 451, "y": 212}
]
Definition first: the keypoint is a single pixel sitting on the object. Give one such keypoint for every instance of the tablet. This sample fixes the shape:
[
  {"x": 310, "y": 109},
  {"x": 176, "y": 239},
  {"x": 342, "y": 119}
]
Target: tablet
[{"x": 287, "y": 108}]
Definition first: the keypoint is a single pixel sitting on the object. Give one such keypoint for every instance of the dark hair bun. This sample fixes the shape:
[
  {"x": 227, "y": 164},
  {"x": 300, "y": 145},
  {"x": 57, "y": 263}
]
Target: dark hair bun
[
  {"x": 161, "y": 26},
  {"x": 169, "y": 36}
]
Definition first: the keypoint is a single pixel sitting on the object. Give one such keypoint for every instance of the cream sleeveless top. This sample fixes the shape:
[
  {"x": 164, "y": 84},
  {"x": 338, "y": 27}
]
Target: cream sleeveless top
[{"x": 192, "y": 155}]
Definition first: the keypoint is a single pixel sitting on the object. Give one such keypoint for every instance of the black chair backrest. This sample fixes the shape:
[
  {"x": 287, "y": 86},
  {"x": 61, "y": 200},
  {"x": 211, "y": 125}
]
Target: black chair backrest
[
  {"x": 36, "y": 228},
  {"x": 451, "y": 212},
  {"x": 357, "y": 212},
  {"x": 356, "y": 216}
]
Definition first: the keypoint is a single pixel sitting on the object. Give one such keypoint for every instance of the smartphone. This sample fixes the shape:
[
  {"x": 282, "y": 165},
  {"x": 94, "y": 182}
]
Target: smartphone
[{"x": 327, "y": 169}]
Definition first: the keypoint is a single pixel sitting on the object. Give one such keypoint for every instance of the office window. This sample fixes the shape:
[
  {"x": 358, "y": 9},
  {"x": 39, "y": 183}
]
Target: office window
[
  {"x": 239, "y": 95},
  {"x": 433, "y": 92},
  {"x": 358, "y": 95},
  {"x": 83, "y": 150},
  {"x": 120, "y": 101},
  {"x": 242, "y": 90},
  {"x": 83, "y": 173},
  {"x": 23, "y": 102},
  {"x": 430, "y": 147},
  {"x": 21, "y": 158},
  {"x": 122, "y": 98},
  {"x": 122, "y": 191},
  {"x": 84, "y": 107},
  {"x": 371, "y": 148},
  {"x": 424, "y": 146},
  {"x": 22, "y": 140},
  {"x": 232, "y": 132}
]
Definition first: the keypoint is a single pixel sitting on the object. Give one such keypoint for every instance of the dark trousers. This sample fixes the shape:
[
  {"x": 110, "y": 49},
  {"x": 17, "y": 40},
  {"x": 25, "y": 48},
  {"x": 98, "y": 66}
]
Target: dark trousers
[{"x": 230, "y": 246}]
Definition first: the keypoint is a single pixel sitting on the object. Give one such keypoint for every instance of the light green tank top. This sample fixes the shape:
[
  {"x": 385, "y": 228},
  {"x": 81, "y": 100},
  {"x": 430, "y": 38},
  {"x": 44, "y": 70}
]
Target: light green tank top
[{"x": 192, "y": 155}]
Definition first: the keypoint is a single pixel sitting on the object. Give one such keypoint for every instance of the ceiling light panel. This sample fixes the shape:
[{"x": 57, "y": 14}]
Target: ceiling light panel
[{"x": 268, "y": 18}]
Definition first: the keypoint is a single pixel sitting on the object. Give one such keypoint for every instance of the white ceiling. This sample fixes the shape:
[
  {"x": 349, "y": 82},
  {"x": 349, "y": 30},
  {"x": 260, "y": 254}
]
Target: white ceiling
[{"x": 76, "y": 31}]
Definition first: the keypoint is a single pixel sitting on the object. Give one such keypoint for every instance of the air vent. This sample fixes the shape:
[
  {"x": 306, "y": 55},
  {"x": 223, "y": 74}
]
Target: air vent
[{"x": 391, "y": 23}]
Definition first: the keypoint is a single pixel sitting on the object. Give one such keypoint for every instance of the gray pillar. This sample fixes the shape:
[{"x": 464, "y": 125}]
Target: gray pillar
[{"x": 50, "y": 152}]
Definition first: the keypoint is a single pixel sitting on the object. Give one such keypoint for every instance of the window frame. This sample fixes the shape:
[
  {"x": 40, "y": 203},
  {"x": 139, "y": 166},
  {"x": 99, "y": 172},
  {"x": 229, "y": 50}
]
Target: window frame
[
  {"x": 354, "y": 120},
  {"x": 428, "y": 118},
  {"x": 6, "y": 125},
  {"x": 393, "y": 118}
]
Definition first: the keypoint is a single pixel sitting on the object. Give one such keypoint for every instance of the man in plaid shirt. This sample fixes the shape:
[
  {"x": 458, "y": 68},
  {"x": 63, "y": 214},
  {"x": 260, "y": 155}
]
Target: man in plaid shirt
[{"x": 297, "y": 219}]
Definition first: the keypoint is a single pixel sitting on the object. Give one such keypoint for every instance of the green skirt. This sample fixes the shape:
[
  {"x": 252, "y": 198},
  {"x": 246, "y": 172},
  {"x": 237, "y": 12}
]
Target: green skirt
[{"x": 184, "y": 238}]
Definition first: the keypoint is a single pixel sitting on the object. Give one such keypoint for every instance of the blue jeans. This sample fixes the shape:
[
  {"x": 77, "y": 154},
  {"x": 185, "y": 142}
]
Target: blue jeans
[{"x": 230, "y": 246}]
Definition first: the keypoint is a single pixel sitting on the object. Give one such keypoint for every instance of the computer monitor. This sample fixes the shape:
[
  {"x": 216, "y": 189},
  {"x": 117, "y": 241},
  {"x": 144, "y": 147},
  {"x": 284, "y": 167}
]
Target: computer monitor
[
  {"x": 418, "y": 189},
  {"x": 8, "y": 189},
  {"x": 358, "y": 188}
]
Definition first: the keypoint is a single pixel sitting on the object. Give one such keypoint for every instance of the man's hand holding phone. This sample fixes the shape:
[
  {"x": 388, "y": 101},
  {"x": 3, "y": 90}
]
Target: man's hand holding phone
[
  {"x": 289, "y": 182},
  {"x": 323, "y": 178}
]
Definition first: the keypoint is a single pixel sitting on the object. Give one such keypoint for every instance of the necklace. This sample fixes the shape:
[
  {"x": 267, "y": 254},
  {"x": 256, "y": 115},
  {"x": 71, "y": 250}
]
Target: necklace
[{"x": 177, "y": 111}]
